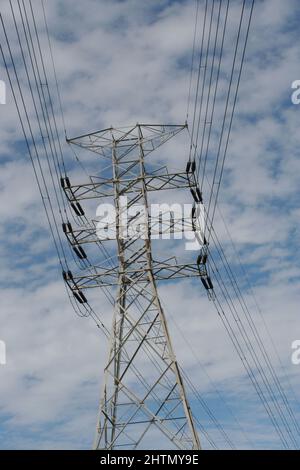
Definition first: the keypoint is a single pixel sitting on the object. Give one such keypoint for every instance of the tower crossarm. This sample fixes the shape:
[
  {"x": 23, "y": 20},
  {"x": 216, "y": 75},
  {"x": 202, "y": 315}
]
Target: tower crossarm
[
  {"x": 161, "y": 271},
  {"x": 104, "y": 188}
]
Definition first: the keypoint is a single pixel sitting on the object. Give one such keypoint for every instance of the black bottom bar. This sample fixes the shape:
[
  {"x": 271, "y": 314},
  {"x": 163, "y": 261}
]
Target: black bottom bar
[{"x": 134, "y": 459}]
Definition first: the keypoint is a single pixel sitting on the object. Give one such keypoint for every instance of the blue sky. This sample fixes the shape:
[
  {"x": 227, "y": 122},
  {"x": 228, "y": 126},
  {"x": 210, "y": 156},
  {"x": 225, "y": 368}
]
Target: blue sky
[{"x": 119, "y": 63}]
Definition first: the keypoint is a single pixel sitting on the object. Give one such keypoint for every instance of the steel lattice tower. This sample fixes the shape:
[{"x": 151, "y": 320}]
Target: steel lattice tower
[{"x": 143, "y": 397}]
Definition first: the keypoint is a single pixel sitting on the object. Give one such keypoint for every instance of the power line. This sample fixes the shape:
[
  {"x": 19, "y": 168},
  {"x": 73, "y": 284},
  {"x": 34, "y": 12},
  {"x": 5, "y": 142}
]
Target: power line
[
  {"x": 193, "y": 59},
  {"x": 232, "y": 112}
]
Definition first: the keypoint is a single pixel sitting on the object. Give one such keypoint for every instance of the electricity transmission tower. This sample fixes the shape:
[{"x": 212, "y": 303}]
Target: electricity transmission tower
[{"x": 143, "y": 402}]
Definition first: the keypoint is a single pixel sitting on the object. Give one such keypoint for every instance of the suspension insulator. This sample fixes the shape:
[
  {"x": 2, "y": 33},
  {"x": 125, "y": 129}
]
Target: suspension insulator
[
  {"x": 199, "y": 194},
  {"x": 67, "y": 275},
  {"x": 80, "y": 252},
  {"x": 67, "y": 227},
  {"x": 77, "y": 208},
  {"x": 203, "y": 280},
  {"x": 65, "y": 183},
  {"x": 79, "y": 295},
  {"x": 209, "y": 282},
  {"x": 194, "y": 195}
]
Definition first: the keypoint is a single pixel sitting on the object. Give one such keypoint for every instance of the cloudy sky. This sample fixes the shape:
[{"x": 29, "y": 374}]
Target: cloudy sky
[{"x": 118, "y": 63}]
